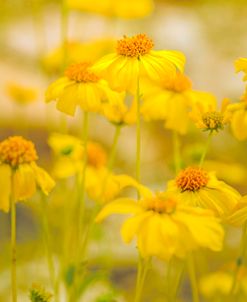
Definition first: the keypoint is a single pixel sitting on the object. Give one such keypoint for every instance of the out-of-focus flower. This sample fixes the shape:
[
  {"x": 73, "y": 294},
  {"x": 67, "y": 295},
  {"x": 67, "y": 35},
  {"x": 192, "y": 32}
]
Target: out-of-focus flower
[
  {"x": 101, "y": 184},
  {"x": 238, "y": 215},
  {"x": 171, "y": 101},
  {"x": 21, "y": 95},
  {"x": 77, "y": 52},
  {"x": 241, "y": 65},
  {"x": 239, "y": 118},
  {"x": 80, "y": 87},
  {"x": 134, "y": 58},
  {"x": 122, "y": 8},
  {"x": 164, "y": 226},
  {"x": 219, "y": 284},
  {"x": 19, "y": 173},
  {"x": 199, "y": 188},
  {"x": 117, "y": 112},
  {"x": 39, "y": 294},
  {"x": 209, "y": 118}
]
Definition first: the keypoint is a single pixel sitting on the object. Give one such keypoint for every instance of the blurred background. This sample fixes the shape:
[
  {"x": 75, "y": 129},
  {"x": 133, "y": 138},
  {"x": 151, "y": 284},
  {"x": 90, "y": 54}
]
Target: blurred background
[{"x": 34, "y": 35}]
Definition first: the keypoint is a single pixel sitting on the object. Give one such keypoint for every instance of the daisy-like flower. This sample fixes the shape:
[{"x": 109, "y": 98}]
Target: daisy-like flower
[
  {"x": 134, "y": 59},
  {"x": 164, "y": 226},
  {"x": 238, "y": 215},
  {"x": 197, "y": 187},
  {"x": 239, "y": 118},
  {"x": 39, "y": 294},
  {"x": 208, "y": 118},
  {"x": 122, "y": 8},
  {"x": 101, "y": 185},
  {"x": 171, "y": 101},
  {"x": 20, "y": 94},
  {"x": 19, "y": 173},
  {"x": 80, "y": 87},
  {"x": 241, "y": 65}
]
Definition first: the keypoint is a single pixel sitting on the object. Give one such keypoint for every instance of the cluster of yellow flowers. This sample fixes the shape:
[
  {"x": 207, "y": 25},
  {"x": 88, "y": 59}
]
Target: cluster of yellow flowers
[{"x": 191, "y": 211}]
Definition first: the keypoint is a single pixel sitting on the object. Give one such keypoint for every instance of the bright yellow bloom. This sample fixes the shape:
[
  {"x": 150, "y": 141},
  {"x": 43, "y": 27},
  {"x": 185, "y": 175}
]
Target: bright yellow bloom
[
  {"x": 21, "y": 94},
  {"x": 77, "y": 52},
  {"x": 219, "y": 284},
  {"x": 165, "y": 227},
  {"x": 171, "y": 101},
  {"x": 208, "y": 118},
  {"x": 79, "y": 87},
  {"x": 238, "y": 215},
  {"x": 117, "y": 112},
  {"x": 239, "y": 118},
  {"x": 39, "y": 294},
  {"x": 19, "y": 173},
  {"x": 121, "y": 8},
  {"x": 241, "y": 65},
  {"x": 199, "y": 188},
  {"x": 133, "y": 59}
]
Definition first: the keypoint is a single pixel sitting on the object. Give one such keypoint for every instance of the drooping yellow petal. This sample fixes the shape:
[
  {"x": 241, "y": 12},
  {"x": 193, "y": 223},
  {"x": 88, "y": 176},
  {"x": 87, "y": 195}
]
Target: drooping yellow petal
[
  {"x": 24, "y": 184},
  {"x": 119, "y": 206},
  {"x": 43, "y": 179},
  {"x": 68, "y": 100},
  {"x": 5, "y": 187}
]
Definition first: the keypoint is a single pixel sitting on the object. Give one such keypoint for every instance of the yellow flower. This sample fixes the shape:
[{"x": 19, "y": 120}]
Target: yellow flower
[
  {"x": 134, "y": 58},
  {"x": 80, "y": 87},
  {"x": 239, "y": 118},
  {"x": 165, "y": 227},
  {"x": 77, "y": 52},
  {"x": 199, "y": 188},
  {"x": 219, "y": 283},
  {"x": 39, "y": 294},
  {"x": 19, "y": 173},
  {"x": 171, "y": 101},
  {"x": 117, "y": 112},
  {"x": 208, "y": 118},
  {"x": 121, "y": 8},
  {"x": 238, "y": 215},
  {"x": 241, "y": 65},
  {"x": 21, "y": 94}
]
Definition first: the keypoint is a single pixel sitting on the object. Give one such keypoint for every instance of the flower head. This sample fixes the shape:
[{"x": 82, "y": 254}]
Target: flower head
[
  {"x": 39, "y": 294},
  {"x": 209, "y": 118},
  {"x": 197, "y": 187},
  {"x": 165, "y": 227},
  {"x": 19, "y": 173},
  {"x": 135, "y": 59},
  {"x": 80, "y": 87},
  {"x": 20, "y": 94}
]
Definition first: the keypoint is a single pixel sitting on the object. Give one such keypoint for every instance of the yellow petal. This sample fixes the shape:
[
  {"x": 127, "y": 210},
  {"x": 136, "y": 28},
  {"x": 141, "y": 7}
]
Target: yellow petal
[
  {"x": 43, "y": 179},
  {"x": 119, "y": 206},
  {"x": 5, "y": 187}
]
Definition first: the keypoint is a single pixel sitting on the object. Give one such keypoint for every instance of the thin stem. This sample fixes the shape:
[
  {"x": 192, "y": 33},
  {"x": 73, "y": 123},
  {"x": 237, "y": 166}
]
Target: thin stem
[
  {"x": 143, "y": 267},
  {"x": 193, "y": 279},
  {"x": 204, "y": 153},
  {"x": 240, "y": 259},
  {"x": 177, "y": 155},
  {"x": 138, "y": 131},
  {"x": 46, "y": 237},
  {"x": 114, "y": 147},
  {"x": 13, "y": 250}
]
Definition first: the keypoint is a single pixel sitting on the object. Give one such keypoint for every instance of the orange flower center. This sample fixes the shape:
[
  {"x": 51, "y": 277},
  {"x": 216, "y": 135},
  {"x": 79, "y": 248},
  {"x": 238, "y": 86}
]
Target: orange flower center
[
  {"x": 159, "y": 204},
  {"x": 96, "y": 155},
  {"x": 192, "y": 179},
  {"x": 213, "y": 120},
  {"x": 179, "y": 83},
  {"x": 16, "y": 150},
  {"x": 135, "y": 46},
  {"x": 80, "y": 73}
]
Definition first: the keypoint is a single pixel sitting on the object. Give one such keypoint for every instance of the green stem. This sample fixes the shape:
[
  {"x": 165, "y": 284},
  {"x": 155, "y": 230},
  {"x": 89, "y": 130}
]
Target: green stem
[
  {"x": 240, "y": 260},
  {"x": 177, "y": 156},
  {"x": 112, "y": 156},
  {"x": 13, "y": 250},
  {"x": 138, "y": 131},
  {"x": 193, "y": 280},
  {"x": 143, "y": 267},
  {"x": 206, "y": 148},
  {"x": 46, "y": 236}
]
